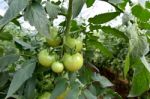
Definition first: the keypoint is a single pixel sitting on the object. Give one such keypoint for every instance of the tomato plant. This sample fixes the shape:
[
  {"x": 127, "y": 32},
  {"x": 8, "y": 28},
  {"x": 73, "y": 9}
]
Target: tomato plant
[{"x": 77, "y": 57}]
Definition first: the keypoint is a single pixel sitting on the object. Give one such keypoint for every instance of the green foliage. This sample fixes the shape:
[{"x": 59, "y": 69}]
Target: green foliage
[
  {"x": 36, "y": 15},
  {"x": 143, "y": 16},
  {"x": 21, "y": 76},
  {"x": 77, "y": 7},
  {"x": 103, "y": 18},
  {"x": 89, "y": 3},
  {"x": 122, "y": 51},
  {"x": 14, "y": 9},
  {"x": 52, "y": 10}
]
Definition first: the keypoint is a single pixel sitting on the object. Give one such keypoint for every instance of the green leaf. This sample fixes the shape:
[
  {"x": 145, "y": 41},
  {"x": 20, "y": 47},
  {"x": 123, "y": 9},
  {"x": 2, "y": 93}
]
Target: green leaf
[
  {"x": 81, "y": 96},
  {"x": 138, "y": 47},
  {"x": 5, "y": 36},
  {"x": 1, "y": 51},
  {"x": 144, "y": 13},
  {"x": 100, "y": 46},
  {"x": 127, "y": 65},
  {"x": 52, "y": 10},
  {"x": 104, "y": 82},
  {"x": 92, "y": 89},
  {"x": 89, "y": 95},
  {"x": 23, "y": 44},
  {"x": 103, "y": 18},
  {"x": 123, "y": 4},
  {"x": 89, "y": 3},
  {"x": 74, "y": 91},
  {"x": 147, "y": 4},
  {"x": 115, "y": 32},
  {"x": 77, "y": 7},
  {"x": 145, "y": 63},
  {"x": 144, "y": 25},
  {"x": 60, "y": 87},
  {"x": 115, "y": 1},
  {"x": 13, "y": 11},
  {"x": 37, "y": 17},
  {"x": 140, "y": 81},
  {"x": 8, "y": 59},
  {"x": 30, "y": 88},
  {"x": 21, "y": 76},
  {"x": 4, "y": 77}
]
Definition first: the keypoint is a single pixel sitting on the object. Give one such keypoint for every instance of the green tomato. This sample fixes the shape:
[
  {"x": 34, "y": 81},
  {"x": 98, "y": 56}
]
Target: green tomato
[
  {"x": 45, "y": 59},
  {"x": 57, "y": 67},
  {"x": 73, "y": 62},
  {"x": 75, "y": 44},
  {"x": 45, "y": 95},
  {"x": 54, "y": 40}
]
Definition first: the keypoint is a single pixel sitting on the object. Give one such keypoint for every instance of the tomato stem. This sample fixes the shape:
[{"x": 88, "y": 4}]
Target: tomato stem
[{"x": 69, "y": 17}]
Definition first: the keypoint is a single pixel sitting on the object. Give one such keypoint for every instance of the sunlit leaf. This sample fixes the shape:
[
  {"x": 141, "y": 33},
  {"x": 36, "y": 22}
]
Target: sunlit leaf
[{"x": 144, "y": 13}]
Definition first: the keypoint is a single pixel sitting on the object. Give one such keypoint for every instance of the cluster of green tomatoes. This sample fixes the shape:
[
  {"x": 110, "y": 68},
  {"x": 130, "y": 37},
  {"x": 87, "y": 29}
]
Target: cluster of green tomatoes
[{"x": 69, "y": 61}]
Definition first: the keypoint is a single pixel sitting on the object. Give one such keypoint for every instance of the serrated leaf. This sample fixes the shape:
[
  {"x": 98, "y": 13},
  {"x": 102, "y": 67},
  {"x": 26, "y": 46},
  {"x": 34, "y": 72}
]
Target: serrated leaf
[
  {"x": 115, "y": 32},
  {"x": 140, "y": 81},
  {"x": 89, "y": 2},
  {"x": 52, "y": 10},
  {"x": 74, "y": 91},
  {"x": 77, "y": 7},
  {"x": 126, "y": 65},
  {"x": 60, "y": 87},
  {"x": 144, "y": 13},
  {"x": 101, "y": 47},
  {"x": 13, "y": 11},
  {"x": 89, "y": 95},
  {"x": 5, "y": 36},
  {"x": 8, "y": 59},
  {"x": 104, "y": 82},
  {"x": 21, "y": 76},
  {"x": 103, "y": 18},
  {"x": 37, "y": 17}
]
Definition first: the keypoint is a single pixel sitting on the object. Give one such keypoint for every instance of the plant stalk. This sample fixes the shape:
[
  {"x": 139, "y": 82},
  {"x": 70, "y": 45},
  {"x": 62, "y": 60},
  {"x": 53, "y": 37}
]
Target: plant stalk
[{"x": 69, "y": 17}]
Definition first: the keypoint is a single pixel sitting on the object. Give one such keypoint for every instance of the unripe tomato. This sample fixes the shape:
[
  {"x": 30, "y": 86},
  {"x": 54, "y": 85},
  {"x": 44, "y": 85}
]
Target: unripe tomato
[
  {"x": 75, "y": 44},
  {"x": 73, "y": 62},
  {"x": 45, "y": 59},
  {"x": 45, "y": 95},
  {"x": 54, "y": 40},
  {"x": 57, "y": 67}
]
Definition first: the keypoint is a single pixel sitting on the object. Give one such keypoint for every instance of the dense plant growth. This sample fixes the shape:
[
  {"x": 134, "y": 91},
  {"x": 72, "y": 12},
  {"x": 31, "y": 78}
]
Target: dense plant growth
[{"x": 74, "y": 60}]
